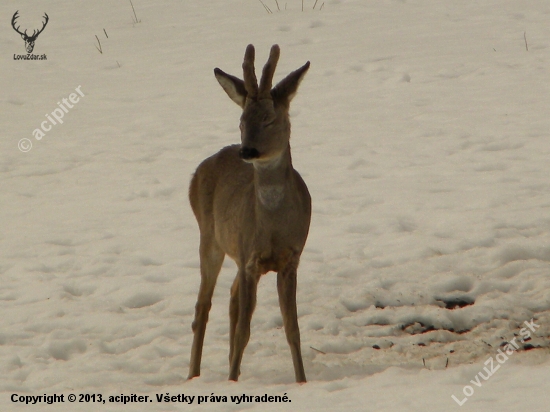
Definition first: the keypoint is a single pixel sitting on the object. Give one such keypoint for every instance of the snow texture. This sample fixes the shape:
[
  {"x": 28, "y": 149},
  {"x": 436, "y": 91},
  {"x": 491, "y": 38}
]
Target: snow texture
[{"x": 422, "y": 131}]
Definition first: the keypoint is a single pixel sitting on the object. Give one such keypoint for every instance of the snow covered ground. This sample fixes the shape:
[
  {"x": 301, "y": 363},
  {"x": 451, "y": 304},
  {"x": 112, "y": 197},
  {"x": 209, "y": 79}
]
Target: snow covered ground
[{"x": 422, "y": 130}]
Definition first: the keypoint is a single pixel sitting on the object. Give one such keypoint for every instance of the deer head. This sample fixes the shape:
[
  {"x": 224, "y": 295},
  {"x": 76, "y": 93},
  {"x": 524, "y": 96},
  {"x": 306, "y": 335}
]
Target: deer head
[
  {"x": 29, "y": 40},
  {"x": 264, "y": 123}
]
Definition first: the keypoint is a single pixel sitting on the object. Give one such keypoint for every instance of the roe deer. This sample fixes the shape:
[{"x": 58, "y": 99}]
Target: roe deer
[{"x": 252, "y": 205}]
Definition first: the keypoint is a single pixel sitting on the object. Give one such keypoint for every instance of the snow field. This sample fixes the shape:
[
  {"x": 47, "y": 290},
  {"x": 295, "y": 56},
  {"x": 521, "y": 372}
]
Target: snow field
[{"x": 421, "y": 130}]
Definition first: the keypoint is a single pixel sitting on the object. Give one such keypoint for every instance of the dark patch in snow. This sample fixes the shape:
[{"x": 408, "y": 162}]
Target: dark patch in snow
[
  {"x": 417, "y": 328},
  {"x": 456, "y": 302}
]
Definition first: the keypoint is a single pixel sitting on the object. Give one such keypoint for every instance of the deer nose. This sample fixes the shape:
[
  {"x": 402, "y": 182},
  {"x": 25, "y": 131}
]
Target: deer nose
[{"x": 248, "y": 153}]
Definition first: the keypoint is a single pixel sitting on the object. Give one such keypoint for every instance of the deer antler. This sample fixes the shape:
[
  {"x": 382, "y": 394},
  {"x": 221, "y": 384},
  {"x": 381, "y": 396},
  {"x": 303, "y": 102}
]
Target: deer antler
[
  {"x": 43, "y": 26},
  {"x": 25, "y": 35},
  {"x": 249, "y": 75},
  {"x": 15, "y": 16},
  {"x": 268, "y": 72}
]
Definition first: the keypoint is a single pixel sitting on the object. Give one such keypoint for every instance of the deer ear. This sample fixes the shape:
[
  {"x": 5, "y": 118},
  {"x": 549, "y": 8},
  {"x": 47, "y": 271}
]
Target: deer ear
[
  {"x": 286, "y": 89},
  {"x": 233, "y": 86}
]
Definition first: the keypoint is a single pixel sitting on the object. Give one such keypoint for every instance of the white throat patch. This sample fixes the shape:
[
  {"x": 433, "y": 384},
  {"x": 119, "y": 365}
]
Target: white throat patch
[{"x": 271, "y": 196}]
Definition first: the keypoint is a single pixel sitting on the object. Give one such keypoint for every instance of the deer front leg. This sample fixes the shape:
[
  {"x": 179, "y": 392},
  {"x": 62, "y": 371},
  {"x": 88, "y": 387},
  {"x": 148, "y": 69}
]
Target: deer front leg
[
  {"x": 286, "y": 286},
  {"x": 247, "y": 283},
  {"x": 233, "y": 315},
  {"x": 211, "y": 259}
]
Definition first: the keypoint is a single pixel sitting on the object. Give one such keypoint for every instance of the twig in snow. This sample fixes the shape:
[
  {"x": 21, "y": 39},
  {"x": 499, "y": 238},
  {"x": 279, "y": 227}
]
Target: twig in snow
[
  {"x": 317, "y": 350},
  {"x": 135, "y": 15},
  {"x": 266, "y": 8},
  {"x": 105, "y": 33},
  {"x": 315, "y": 4},
  {"x": 278, "y": 8},
  {"x": 98, "y": 42},
  {"x": 525, "y": 38}
]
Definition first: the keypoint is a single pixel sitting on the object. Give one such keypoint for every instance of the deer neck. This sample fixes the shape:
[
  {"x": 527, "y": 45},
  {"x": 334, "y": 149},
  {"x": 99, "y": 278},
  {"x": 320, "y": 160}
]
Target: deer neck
[{"x": 272, "y": 181}]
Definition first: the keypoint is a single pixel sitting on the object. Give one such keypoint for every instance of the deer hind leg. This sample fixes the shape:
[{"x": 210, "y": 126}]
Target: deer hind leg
[
  {"x": 286, "y": 286},
  {"x": 211, "y": 259},
  {"x": 243, "y": 302}
]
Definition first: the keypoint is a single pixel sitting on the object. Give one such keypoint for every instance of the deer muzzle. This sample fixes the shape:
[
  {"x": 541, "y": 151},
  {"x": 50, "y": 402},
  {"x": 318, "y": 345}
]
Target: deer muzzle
[{"x": 248, "y": 153}]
